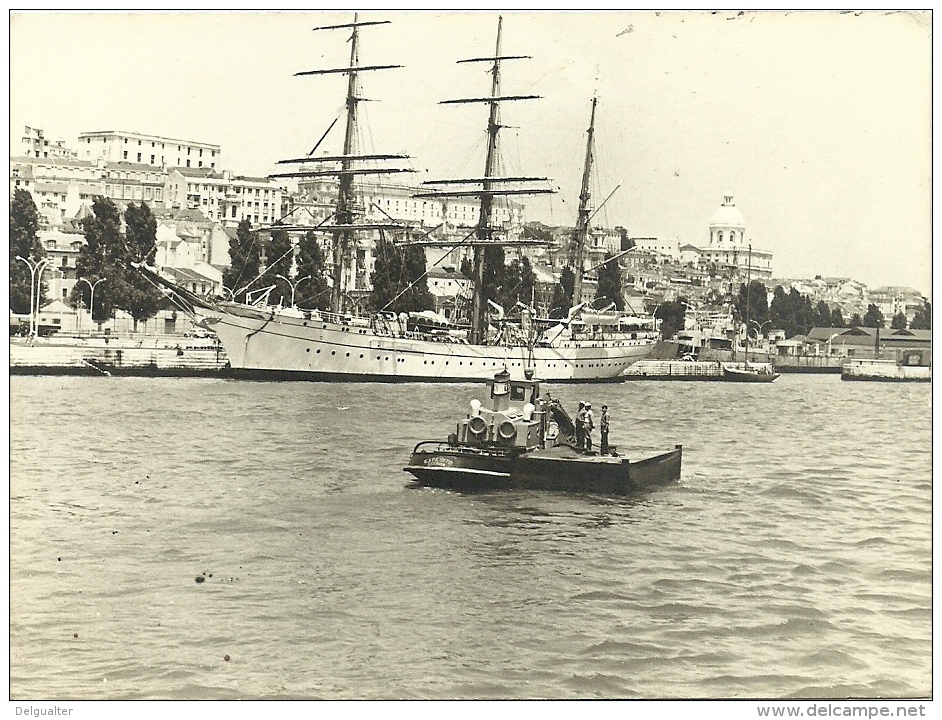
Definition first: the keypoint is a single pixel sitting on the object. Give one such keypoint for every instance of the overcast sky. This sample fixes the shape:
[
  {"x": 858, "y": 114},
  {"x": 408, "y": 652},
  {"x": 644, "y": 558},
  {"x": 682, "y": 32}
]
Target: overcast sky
[{"x": 817, "y": 123}]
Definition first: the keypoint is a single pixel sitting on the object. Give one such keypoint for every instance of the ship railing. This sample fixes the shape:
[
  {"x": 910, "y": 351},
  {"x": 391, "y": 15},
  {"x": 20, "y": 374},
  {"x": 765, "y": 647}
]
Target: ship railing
[{"x": 434, "y": 446}]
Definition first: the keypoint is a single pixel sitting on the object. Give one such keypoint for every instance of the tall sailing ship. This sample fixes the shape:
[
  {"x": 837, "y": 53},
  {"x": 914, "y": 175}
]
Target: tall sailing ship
[{"x": 293, "y": 343}]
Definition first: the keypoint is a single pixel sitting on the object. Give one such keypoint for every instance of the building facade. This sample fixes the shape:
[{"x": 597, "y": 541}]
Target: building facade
[
  {"x": 224, "y": 198},
  {"x": 153, "y": 150}
]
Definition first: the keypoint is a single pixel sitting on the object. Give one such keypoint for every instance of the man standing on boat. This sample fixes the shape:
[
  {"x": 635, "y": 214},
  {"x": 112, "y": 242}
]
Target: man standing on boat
[
  {"x": 580, "y": 427},
  {"x": 589, "y": 427},
  {"x": 603, "y": 430}
]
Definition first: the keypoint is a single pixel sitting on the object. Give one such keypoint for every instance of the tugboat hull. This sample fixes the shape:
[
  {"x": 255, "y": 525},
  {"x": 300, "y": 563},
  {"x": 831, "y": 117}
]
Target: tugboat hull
[{"x": 559, "y": 469}]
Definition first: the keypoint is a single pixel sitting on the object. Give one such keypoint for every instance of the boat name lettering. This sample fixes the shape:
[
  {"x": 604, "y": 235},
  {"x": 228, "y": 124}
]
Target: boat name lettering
[{"x": 439, "y": 462}]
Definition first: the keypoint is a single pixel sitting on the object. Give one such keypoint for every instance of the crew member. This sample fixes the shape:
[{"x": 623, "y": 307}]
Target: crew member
[
  {"x": 603, "y": 430},
  {"x": 589, "y": 427},
  {"x": 580, "y": 427}
]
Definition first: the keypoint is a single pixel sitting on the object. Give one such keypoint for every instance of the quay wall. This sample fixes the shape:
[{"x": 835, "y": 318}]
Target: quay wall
[{"x": 141, "y": 356}]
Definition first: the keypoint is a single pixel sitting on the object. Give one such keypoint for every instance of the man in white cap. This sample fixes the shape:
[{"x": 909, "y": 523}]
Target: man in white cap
[{"x": 589, "y": 427}]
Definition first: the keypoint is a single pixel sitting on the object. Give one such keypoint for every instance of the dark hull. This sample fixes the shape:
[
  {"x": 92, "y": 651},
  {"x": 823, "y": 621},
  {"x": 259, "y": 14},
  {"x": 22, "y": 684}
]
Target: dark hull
[
  {"x": 730, "y": 375},
  {"x": 861, "y": 378},
  {"x": 559, "y": 469}
]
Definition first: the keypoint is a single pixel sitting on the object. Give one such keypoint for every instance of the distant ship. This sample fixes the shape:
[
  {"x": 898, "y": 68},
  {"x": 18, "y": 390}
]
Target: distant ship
[{"x": 293, "y": 343}]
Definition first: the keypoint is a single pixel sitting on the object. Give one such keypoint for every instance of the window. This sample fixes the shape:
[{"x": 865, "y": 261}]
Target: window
[
  {"x": 125, "y": 154},
  {"x": 151, "y": 159},
  {"x": 188, "y": 162},
  {"x": 138, "y": 157}
]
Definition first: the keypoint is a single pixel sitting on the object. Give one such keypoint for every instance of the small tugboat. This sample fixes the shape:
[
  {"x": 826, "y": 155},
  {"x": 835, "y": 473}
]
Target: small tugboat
[{"x": 525, "y": 441}]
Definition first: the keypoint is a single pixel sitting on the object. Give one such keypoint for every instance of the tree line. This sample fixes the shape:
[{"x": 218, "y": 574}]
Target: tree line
[{"x": 104, "y": 261}]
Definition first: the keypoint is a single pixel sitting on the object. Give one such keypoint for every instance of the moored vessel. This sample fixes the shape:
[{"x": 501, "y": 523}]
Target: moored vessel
[{"x": 268, "y": 342}]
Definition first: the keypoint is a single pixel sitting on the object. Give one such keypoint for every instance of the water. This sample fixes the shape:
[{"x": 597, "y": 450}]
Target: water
[{"x": 793, "y": 559}]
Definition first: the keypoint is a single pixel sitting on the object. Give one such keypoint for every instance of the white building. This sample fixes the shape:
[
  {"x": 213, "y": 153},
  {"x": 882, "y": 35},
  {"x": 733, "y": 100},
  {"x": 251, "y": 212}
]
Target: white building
[
  {"x": 153, "y": 150},
  {"x": 62, "y": 186},
  {"x": 223, "y": 197},
  {"x": 33, "y": 143},
  {"x": 727, "y": 247}
]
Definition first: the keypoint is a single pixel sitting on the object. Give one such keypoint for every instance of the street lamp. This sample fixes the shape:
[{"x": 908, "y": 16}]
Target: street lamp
[
  {"x": 834, "y": 335},
  {"x": 91, "y": 301},
  {"x": 34, "y": 291},
  {"x": 759, "y": 327},
  {"x": 294, "y": 285}
]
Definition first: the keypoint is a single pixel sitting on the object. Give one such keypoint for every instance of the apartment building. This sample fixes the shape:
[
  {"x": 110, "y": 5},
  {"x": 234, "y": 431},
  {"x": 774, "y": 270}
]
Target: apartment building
[
  {"x": 223, "y": 197},
  {"x": 154, "y": 150},
  {"x": 61, "y": 186},
  {"x": 33, "y": 143}
]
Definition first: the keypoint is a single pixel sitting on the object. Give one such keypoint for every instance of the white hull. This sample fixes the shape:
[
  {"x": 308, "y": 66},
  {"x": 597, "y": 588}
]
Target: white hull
[
  {"x": 884, "y": 370},
  {"x": 263, "y": 343}
]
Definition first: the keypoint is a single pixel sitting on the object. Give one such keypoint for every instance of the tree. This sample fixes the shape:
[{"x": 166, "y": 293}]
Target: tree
[
  {"x": 311, "y": 261},
  {"x": 855, "y": 320},
  {"x": 822, "y": 315},
  {"x": 922, "y": 319},
  {"x": 899, "y": 321},
  {"x": 671, "y": 314},
  {"x": 837, "y": 318},
  {"x": 280, "y": 258},
  {"x": 416, "y": 269},
  {"x": 245, "y": 260},
  {"x": 562, "y": 293},
  {"x": 105, "y": 256},
  {"x": 873, "y": 317},
  {"x": 143, "y": 299},
  {"x": 398, "y": 278},
  {"x": 758, "y": 302},
  {"x": 495, "y": 273},
  {"x": 610, "y": 283},
  {"x": 517, "y": 284},
  {"x": 792, "y": 312},
  {"x": 24, "y": 242},
  {"x": 467, "y": 268}
]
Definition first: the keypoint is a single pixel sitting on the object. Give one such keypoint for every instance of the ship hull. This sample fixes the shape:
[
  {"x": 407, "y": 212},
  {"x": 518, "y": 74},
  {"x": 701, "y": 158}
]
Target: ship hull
[
  {"x": 260, "y": 344},
  {"x": 558, "y": 469}
]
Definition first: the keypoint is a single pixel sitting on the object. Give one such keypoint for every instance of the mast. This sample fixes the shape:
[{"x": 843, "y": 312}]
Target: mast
[
  {"x": 345, "y": 227},
  {"x": 342, "y": 238},
  {"x": 582, "y": 223},
  {"x": 491, "y": 184},
  {"x": 748, "y": 293}
]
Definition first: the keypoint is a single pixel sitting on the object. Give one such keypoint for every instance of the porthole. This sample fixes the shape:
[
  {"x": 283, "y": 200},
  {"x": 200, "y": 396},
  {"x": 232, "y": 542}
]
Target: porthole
[
  {"x": 361, "y": 356},
  {"x": 348, "y": 354},
  {"x": 333, "y": 352},
  {"x": 318, "y": 351},
  {"x": 307, "y": 350}
]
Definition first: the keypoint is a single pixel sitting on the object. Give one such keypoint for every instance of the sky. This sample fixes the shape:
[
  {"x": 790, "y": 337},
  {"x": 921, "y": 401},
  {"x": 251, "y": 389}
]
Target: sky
[{"x": 818, "y": 123}]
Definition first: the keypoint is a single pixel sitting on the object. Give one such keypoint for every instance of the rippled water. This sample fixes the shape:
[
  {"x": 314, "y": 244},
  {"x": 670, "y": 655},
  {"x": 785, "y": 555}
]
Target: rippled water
[{"x": 793, "y": 559}]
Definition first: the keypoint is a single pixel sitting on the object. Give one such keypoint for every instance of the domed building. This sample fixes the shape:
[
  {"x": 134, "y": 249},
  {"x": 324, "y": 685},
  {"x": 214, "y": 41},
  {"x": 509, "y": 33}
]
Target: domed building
[{"x": 728, "y": 247}]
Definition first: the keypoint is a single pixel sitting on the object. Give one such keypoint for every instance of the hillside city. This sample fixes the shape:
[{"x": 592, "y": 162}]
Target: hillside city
[{"x": 199, "y": 205}]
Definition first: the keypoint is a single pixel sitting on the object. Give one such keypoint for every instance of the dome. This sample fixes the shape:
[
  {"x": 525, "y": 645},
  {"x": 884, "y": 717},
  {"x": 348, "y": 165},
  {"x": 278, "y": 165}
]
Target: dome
[{"x": 728, "y": 215}]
